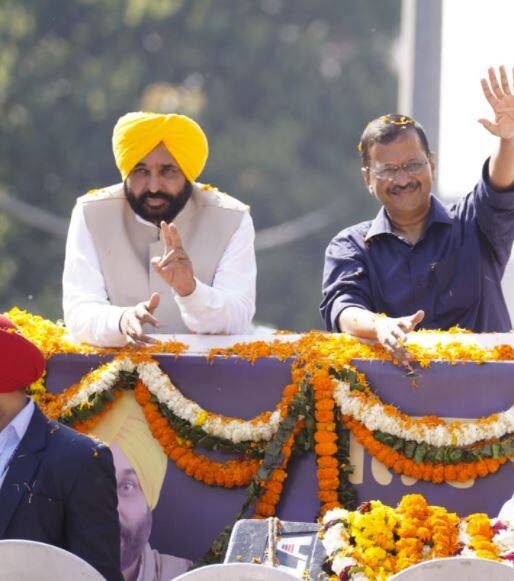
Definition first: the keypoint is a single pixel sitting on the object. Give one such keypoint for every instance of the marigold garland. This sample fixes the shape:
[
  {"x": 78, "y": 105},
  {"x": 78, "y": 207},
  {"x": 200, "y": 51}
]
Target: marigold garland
[
  {"x": 436, "y": 473},
  {"x": 355, "y": 398},
  {"x": 88, "y": 426},
  {"x": 272, "y": 485},
  {"x": 267, "y": 503},
  {"x": 51, "y": 338},
  {"x": 325, "y": 440},
  {"x": 227, "y": 475}
]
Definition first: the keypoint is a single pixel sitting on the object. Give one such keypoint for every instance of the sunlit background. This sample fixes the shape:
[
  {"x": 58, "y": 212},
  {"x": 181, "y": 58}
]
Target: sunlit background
[
  {"x": 476, "y": 34},
  {"x": 283, "y": 89}
]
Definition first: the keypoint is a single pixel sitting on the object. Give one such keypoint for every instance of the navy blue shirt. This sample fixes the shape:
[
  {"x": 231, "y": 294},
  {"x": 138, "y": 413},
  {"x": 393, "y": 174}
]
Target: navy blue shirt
[{"x": 453, "y": 272}]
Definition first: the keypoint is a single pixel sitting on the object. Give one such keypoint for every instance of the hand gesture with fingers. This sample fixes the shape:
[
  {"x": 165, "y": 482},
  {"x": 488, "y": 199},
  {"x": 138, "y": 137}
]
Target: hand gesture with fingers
[
  {"x": 174, "y": 266},
  {"x": 500, "y": 96},
  {"x": 391, "y": 334},
  {"x": 133, "y": 319}
]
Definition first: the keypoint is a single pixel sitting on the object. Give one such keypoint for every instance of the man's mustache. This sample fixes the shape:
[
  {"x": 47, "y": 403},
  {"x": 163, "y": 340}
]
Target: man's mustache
[{"x": 398, "y": 188}]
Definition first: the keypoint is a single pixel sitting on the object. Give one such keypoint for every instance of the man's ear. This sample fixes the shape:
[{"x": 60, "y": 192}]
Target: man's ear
[{"x": 366, "y": 176}]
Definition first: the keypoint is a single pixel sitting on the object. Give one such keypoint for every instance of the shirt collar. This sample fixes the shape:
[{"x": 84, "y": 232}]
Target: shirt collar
[
  {"x": 145, "y": 222},
  {"x": 382, "y": 225},
  {"x": 21, "y": 420}
]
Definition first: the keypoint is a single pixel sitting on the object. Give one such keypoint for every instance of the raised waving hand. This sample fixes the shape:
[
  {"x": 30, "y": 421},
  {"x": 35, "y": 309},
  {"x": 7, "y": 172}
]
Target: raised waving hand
[{"x": 499, "y": 94}]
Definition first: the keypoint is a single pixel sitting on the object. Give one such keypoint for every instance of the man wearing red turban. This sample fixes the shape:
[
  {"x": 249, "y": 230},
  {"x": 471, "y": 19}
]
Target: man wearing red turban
[
  {"x": 159, "y": 249},
  {"x": 56, "y": 486}
]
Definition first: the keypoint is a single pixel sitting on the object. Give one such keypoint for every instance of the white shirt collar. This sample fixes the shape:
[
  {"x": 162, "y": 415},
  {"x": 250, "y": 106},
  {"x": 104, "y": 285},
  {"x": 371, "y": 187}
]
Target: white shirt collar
[
  {"x": 145, "y": 222},
  {"x": 21, "y": 420}
]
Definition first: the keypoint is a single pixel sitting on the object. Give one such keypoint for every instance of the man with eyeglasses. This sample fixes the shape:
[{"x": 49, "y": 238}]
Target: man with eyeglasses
[{"x": 420, "y": 262}]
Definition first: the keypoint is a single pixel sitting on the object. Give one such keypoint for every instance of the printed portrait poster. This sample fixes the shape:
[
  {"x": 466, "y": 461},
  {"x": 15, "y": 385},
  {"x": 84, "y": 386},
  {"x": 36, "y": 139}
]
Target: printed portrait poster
[{"x": 141, "y": 466}]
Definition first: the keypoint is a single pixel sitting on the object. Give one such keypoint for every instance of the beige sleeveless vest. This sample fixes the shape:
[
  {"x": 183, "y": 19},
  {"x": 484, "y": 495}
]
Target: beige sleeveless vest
[{"x": 125, "y": 246}]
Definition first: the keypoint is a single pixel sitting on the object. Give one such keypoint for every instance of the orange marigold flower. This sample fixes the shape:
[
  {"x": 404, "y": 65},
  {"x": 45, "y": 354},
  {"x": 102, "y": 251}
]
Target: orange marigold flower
[
  {"x": 265, "y": 509},
  {"x": 331, "y": 484},
  {"x": 326, "y": 449},
  {"x": 327, "y": 462},
  {"x": 323, "y": 437},
  {"x": 325, "y": 473},
  {"x": 325, "y": 405},
  {"x": 324, "y": 416},
  {"x": 274, "y": 486},
  {"x": 329, "y": 506},
  {"x": 327, "y": 495}
]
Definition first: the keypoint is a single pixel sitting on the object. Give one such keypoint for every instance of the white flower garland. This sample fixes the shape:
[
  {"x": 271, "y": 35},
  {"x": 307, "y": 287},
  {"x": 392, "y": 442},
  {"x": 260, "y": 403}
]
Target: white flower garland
[
  {"x": 103, "y": 379},
  {"x": 233, "y": 429},
  {"x": 158, "y": 383},
  {"x": 372, "y": 414}
]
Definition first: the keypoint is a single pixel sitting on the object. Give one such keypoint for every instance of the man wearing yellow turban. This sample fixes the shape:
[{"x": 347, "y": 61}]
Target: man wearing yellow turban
[
  {"x": 159, "y": 249},
  {"x": 140, "y": 465}
]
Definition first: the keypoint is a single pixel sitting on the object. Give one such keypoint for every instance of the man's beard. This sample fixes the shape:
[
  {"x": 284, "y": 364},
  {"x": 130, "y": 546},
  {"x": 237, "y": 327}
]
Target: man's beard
[
  {"x": 133, "y": 541},
  {"x": 171, "y": 207}
]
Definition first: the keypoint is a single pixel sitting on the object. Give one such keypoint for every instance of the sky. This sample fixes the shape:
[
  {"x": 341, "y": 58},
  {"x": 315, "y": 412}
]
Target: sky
[{"x": 476, "y": 34}]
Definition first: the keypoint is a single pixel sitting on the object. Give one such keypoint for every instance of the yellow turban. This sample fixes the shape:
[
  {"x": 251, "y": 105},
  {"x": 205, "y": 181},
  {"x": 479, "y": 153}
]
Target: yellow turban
[
  {"x": 135, "y": 135},
  {"x": 125, "y": 425}
]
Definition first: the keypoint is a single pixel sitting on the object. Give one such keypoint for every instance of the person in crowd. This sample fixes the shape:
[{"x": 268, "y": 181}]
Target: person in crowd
[
  {"x": 56, "y": 486},
  {"x": 421, "y": 263},
  {"x": 140, "y": 470},
  {"x": 159, "y": 250}
]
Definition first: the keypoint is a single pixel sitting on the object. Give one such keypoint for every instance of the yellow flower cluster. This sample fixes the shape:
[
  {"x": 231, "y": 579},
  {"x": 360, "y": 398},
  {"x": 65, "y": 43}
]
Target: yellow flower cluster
[
  {"x": 385, "y": 541},
  {"x": 48, "y": 337},
  {"x": 412, "y": 530},
  {"x": 51, "y": 338},
  {"x": 481, "y": 533},
  {"x": 373, "y": 530},
  {"x": 445, "y": 532}
]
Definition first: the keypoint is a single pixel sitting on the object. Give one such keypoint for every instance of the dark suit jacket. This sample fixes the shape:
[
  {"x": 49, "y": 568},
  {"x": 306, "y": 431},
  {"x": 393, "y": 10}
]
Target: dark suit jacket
[{"x": 61, "y": 489}]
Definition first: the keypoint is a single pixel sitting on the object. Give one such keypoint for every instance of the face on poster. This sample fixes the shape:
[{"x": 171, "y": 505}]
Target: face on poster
[{"x": 140, "y": 465}]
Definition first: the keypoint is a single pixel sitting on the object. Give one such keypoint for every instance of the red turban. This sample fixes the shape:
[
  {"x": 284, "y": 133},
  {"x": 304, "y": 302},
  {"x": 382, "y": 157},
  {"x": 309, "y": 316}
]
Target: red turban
[{"x": 21, "y": 362}]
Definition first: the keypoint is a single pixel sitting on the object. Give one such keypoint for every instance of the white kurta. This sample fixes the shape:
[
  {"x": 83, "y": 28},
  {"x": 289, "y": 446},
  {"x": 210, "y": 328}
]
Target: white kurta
[{"x": 226, "y": 307}]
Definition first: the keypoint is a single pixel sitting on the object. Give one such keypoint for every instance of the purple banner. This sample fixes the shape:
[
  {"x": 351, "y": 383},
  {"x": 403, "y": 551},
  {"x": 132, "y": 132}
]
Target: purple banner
[{"x": 189, "y": 514}]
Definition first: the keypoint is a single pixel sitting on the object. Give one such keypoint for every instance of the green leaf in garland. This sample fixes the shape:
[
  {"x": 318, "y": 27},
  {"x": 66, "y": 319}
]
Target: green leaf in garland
[
  {"x": 439, "y": 455},
  {"x": 109, "y": 396},
  {"x": 455, "y": 455},
  {"x": 508, "y": 445},
  {"x": 486, "y": 451},
  {"x": 398, "y": 445},
  {"x": 469, "y": 456},
  {"x": 384, "y": 438},
  {"x": 98, "y": 406},
  {"x": 410, "y": 448},
  {"x": 346, "y": 491},
  {"x": 430, "y": 454},
  {"x": 274, "y": 448},
  {"x": 419, "y": 454},
  {"x": 497, "y": 451}
]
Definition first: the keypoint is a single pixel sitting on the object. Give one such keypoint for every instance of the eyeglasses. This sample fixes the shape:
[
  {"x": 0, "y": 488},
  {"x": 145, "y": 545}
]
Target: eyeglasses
[{"x": 389, "y": 173}]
